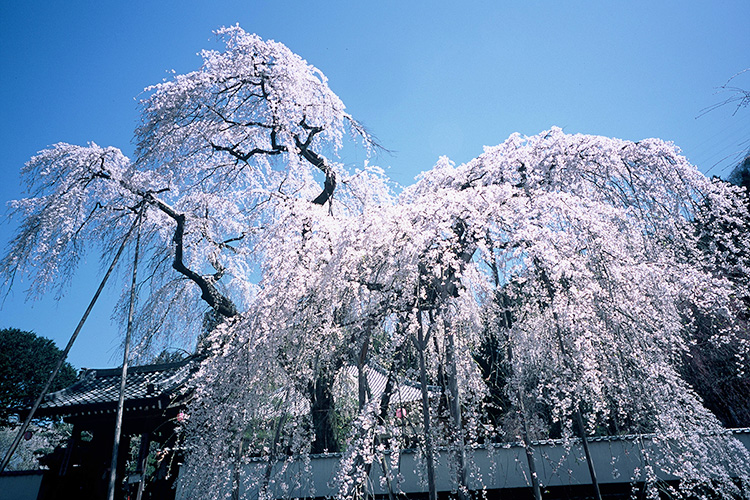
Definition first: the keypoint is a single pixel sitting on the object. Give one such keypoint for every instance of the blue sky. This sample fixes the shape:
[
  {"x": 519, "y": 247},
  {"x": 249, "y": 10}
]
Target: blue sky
[{"x": 427, "y": 78}]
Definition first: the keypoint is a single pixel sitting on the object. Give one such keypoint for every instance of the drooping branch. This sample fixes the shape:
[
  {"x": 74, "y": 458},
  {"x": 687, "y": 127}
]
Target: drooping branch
[
  {"x": 328, "y": 188},
  {"x": 316, "y": 160},
  {"x": 209, "y": 293},
  {"x": 219, "y": 302},
  {"x": 276, "y": 149},
  {"x": 232, "y": 150},
  {"x": 567, "y": 359},
  {"x": 303, "y": 147}
]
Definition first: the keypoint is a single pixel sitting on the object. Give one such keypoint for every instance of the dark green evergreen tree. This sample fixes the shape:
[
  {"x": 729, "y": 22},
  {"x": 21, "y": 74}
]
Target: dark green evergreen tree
[{"x": 26, "y": 362}]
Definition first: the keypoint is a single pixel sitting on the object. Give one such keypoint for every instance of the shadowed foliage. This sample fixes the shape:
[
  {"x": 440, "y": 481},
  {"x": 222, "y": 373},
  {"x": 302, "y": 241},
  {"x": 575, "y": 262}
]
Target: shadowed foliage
[{"x": 26, "y": 361}]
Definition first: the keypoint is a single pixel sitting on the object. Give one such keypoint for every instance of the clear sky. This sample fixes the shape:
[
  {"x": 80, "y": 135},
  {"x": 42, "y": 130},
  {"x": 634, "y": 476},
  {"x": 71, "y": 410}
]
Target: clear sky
[{"x": 428, "y": 78}]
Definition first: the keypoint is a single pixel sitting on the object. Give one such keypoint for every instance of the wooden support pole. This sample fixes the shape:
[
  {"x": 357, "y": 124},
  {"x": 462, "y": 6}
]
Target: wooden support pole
[
  {"x": 124, "y": 376},
  {"x": 589, "y": 460},
  {"x": 421, "y": 343},
  {"x": 141, "y": 468}
]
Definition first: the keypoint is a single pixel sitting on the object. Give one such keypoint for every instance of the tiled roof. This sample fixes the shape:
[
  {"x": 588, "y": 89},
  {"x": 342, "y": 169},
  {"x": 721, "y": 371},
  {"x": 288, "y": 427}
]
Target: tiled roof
[
  {"x": 289, "y": 400},
  {"x": 145, "y": 385},
  {"x": 404, "y": 392},
  {"x": 152, "y": 386}
]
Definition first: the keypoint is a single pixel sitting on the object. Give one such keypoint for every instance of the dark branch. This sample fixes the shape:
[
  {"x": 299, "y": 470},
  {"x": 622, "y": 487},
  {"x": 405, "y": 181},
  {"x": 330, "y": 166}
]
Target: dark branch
[
  {"x": 328, "y": 187},
  {"x": 316, "y": 160},
  {"x": 209, "y": 293},
  {"x": 232, "y": 150}
]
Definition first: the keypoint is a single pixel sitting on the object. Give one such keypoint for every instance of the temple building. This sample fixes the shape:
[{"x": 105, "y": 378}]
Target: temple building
[{"x": 155, "y": 396}]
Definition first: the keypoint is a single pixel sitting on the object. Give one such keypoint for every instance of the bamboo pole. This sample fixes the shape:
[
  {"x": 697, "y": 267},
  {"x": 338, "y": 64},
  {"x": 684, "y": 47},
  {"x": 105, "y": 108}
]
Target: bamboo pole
[
  {"x": 589, "y": 459},
  {"x": 124, "y": 375},
  {"x": 421, "y": 343},
  {"x": 455, "y": 411}
]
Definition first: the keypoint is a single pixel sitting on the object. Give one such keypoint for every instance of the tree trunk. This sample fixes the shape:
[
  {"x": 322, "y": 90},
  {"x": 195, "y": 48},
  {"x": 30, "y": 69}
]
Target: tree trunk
[{"x": 321, "y": 398}]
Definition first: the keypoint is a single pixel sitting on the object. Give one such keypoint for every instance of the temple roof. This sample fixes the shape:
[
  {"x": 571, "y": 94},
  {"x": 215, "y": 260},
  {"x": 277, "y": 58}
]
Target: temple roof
[
  {"x": 97, "y": 390},
  {"x": 157, "y": 387},
  {"x": 405, "y": 391}
]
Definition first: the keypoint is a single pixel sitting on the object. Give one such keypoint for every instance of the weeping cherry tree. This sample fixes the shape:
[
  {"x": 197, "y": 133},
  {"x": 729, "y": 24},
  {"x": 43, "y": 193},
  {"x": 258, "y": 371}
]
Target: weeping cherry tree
[{"x": 553, "y": 279}]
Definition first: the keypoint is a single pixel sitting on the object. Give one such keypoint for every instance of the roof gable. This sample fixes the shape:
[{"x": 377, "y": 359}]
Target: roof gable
[{"x": 98, "y": 390}]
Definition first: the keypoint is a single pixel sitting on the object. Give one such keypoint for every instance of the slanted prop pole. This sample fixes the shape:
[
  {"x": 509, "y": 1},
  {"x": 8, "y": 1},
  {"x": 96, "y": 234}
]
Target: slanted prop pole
[
  {"x": 124, "y": 375},
  {"x": 65, "y": 352}
]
